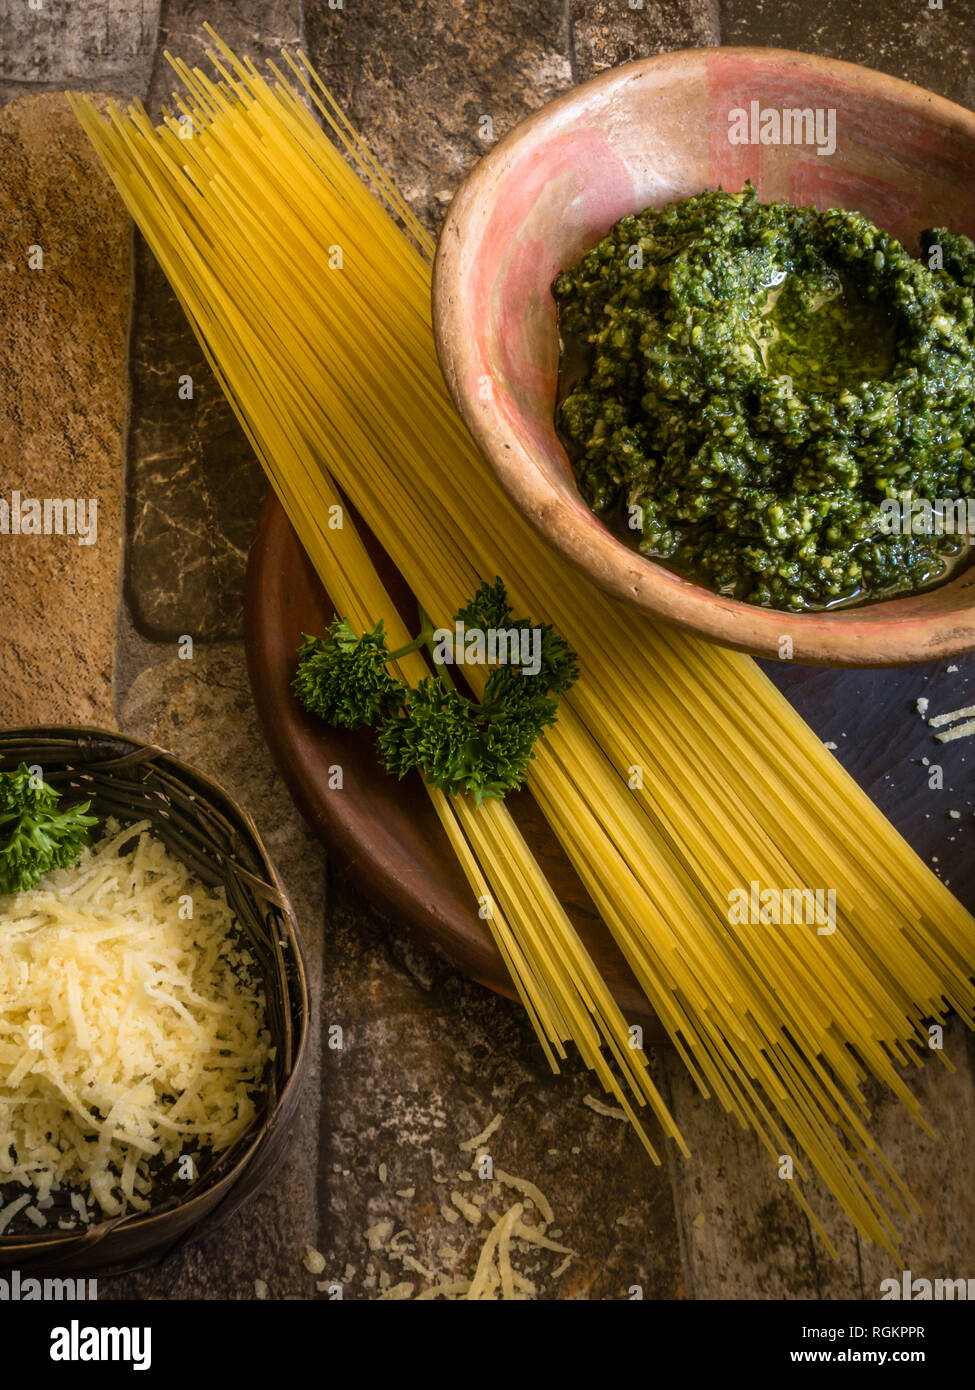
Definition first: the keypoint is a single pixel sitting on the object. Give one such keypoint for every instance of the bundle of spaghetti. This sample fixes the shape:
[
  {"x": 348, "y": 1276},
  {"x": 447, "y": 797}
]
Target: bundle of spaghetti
[
  {"x": 555, "y": 977},
  {"x": 334, "y": 374}
]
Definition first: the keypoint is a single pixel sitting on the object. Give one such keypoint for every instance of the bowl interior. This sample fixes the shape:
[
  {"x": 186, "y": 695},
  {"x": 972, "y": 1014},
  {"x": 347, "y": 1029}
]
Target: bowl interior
[{"x": 647, "y": 134}]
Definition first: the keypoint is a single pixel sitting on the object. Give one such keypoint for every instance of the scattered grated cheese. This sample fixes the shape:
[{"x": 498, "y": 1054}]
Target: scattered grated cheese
[
  {"x": 938, "y": 720},
  {"x": 127, "y": 1033},
  {"x": 377, "y": 1236},
  {"x": 527, "y": 1189},
  {"x": 520, "y": 1231},
  {"x": 482, "y": 1285},
  {"x": 536, "y": 1237},
  {"x": 450, "y": 1288},
  {"x": 601, "y": 1108},
  {"x": 397, "y": 1292},
  {"x": 921, "y": 704},
  {"x": 313, "y": 1260},
  {"x": 469, "y": 1145},
  {"x": 8, "y": 1212},
  {"x": 466, "y": 1209},
  {"x": 960, "y": 731}
]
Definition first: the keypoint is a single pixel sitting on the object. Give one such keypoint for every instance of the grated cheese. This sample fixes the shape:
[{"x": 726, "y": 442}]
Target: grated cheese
[
  {"x": 8, "y": 1212},
  {"x": 487, "y": 1275},
  {"x": 612, "y": 1112},
  {"x": 959, "y": 731},
  {"x": 523, "y": 1231},
  {"x": 536, "y": 1237},
  {"x": 398, "y": 1292},
  {"x": 937, "y": 720},
  {"x": 469, "y": 1145},
  {"x": 450, "y": 1289},
  {"x": 378, "y": 1235},
  {"x": 527, "y": 1189},
  {"x": 466, "y": 1209},
  {"x": 126, "y": 1033}
]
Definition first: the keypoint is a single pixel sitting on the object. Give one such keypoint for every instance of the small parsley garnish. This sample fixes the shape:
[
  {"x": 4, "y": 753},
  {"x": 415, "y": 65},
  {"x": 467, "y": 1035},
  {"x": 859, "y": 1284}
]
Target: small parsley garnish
[{"x": 463, "y": 746}]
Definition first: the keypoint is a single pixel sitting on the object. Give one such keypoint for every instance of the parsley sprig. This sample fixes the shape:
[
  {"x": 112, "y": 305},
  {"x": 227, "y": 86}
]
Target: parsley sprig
[
  {"x": 35, "y": 836},
  {"x": 480, "y": 748}
]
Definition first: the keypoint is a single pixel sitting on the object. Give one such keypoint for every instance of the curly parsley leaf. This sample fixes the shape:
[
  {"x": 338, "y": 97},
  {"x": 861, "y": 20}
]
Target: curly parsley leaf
[
  {"x": 36, "y": 837},
  {"x": 343, "y": 678},
  {"x": 462, "y": 746}
]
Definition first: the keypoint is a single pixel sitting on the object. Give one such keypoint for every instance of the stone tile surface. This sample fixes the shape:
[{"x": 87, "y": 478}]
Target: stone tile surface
[
  {"x": 743, "y": 1236},
  {"x": 428, "y": 1060},
  {"x": 932, "y": 46},
  {"x": 194, "y": 486},
  {"x": 419, "y": 77},
  {"x": 107, "y": 47},
  {"x": 63, "y": 345},
  {"x": 608, "y": 32}
]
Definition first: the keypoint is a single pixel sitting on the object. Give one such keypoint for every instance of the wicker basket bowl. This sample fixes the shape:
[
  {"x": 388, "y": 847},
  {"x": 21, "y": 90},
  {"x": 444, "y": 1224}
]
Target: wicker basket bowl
[{"x": 217, "y": 840}]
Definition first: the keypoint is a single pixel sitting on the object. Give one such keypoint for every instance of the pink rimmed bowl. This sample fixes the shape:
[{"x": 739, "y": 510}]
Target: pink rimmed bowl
[{"x": 651, "y": 132}]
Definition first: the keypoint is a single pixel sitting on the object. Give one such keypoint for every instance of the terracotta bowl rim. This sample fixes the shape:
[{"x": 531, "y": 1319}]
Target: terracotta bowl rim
[{"x": 840, "y": 637}]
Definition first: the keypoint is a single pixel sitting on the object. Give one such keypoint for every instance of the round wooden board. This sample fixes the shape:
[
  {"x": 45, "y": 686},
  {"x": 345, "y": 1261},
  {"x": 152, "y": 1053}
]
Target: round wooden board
[{"x": 385, "y": 834}]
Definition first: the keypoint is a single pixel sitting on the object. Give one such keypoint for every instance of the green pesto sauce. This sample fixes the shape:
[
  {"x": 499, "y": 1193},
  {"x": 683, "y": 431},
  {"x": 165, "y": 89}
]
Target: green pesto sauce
[{"x": 743, "y": 384}]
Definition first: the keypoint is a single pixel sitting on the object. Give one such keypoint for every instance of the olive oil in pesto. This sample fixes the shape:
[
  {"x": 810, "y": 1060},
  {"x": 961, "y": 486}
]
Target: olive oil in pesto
[{"x": 743, "y": 385}]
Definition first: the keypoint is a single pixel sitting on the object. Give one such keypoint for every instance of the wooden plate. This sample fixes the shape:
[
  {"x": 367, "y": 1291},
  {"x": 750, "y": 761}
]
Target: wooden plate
[{"x": 385, "y": 834}]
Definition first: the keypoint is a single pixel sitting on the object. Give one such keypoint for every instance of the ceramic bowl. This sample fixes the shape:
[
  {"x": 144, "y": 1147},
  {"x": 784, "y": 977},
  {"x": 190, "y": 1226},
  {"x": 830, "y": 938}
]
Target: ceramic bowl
[{"x": 649, "y": 133}]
